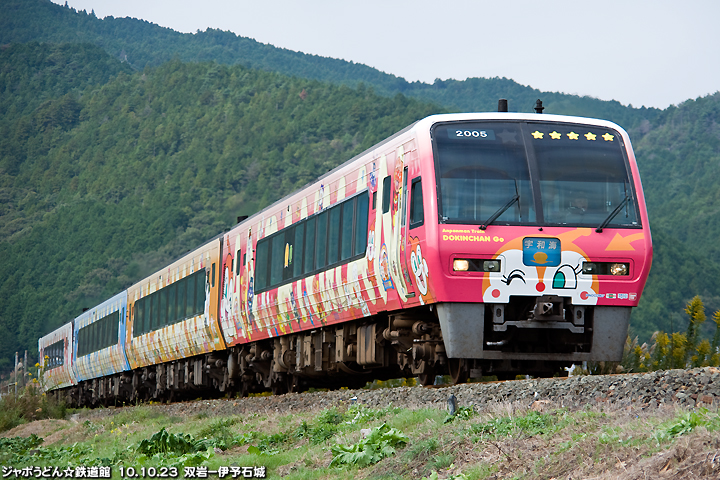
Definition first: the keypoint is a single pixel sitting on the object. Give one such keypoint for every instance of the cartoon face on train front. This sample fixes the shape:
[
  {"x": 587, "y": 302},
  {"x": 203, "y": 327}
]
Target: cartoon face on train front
[{"x": 541, "y": 266}]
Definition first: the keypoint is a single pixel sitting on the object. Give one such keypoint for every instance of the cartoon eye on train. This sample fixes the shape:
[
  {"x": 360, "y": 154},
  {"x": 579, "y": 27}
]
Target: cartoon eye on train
[{"x": 466, "y": 245}]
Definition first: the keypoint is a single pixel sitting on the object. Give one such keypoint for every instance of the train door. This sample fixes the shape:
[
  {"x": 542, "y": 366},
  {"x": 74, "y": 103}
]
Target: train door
[{"x": 416, "y": 268}]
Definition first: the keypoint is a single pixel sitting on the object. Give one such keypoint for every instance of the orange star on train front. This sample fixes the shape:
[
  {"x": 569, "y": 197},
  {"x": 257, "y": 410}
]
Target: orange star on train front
[
  {"x": 555, "y": 135},
  {"x": 573, "y": 135},
  {"x": 608, "y": 137},
  {"x": 537, "y": 134},
  {"x": 590, "y": 136}
]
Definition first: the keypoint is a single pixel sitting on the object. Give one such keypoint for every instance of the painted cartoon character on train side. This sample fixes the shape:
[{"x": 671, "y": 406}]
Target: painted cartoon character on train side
[{"x": 541, "y": 265}]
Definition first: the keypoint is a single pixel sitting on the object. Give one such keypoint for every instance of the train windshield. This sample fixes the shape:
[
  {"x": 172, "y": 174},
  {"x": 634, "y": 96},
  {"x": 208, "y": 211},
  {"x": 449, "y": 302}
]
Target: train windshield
[{"x": 533, "y": 173}]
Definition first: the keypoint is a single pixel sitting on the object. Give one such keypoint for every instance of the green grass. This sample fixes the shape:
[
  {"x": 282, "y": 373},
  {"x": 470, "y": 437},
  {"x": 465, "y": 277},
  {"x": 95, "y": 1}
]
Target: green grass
[{"x": 509, "y": 441}]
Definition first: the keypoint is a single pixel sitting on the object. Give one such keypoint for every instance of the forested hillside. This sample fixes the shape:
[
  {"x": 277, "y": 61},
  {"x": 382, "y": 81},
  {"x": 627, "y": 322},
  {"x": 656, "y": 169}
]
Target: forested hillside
[
  {"x": 142, "y": 44},
  {"x": 679, "y": 159},
  {"x": 103, "y": 182},
  {"x": 119, "y": 153}
]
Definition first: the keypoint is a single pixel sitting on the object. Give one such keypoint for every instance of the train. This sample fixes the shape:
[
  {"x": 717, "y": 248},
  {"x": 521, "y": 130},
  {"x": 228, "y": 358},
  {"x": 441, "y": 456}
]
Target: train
[{"x": 465, "y": 245}]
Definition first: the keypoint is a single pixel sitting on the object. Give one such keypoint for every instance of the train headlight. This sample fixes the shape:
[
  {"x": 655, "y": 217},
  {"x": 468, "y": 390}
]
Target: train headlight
[
  {"x": 606, "y": 268},
  {"x": 491, "y": 266},
  {"x": 475, "y": 265},
  {"x": 619, "y": 268},
  {"x": 461, "y": 265}
]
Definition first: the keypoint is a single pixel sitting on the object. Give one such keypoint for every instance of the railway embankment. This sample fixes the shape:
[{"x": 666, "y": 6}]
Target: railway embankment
[{"x": 689, "y": 388}]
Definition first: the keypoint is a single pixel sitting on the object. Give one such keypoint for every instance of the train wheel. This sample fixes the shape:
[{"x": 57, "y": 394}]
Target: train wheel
[
  {"x": 279, "y": 385},
  {"x": 293, "y": 383},
  {"x": 458, "y": 370},
  {"x": 428, "y": 378}
]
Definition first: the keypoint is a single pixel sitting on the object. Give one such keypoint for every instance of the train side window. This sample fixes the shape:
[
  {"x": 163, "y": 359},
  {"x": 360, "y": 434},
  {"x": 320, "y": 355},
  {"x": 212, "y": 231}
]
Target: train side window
[
  {"x": 261, "y": 264},
  {"x": 190, "y": 295},
  {"x": 154, "y": 313},
  {"x": 333, "y": 235},
  {"x": 374, "y": 200},
  {"x": 346, "y": 236},
  {"x": 416, "y": 203},
  {"x": 297, "y": 251},
  {"x": 309, "y": 255},
  {"x": 138, "y": 317},
  {"x": 361, "y": 224},
  {"x": 200, "y": 283},
  {"x": 163, "y": 308},
  {"x": 114, "y": 322},
  {"x": 386, "y": 194},
  {"x": 108, "y": 330},
  {"x": 277, "y": 258},
  {"x": 172, "y": 303},
  {"x": 105, "y": 333},
  {"x": 93, "y": 341},
  {"x": 237, "y": 261},
  {"x": 287, "y": 252},
  {"x": 212, "y": 276},
  {"x": 180, "y": 299},
  {"x": 321, "y": 241}
]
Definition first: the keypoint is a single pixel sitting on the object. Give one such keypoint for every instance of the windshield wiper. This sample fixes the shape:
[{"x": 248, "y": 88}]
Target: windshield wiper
[
  {"x": 613, "y": 214},
  {"x": 502, "y": 209}
]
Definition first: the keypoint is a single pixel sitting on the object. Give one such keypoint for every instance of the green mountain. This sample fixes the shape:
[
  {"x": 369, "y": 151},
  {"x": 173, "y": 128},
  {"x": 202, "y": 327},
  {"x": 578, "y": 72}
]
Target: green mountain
[
  {"x": 142, "y": 44},
  {"x": 121, "y": 152},
  {"x": 105, "y": 179}
]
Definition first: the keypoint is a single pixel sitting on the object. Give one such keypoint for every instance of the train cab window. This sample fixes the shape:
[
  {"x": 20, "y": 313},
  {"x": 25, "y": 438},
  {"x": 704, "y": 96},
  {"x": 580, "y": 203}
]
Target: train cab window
[
  {"x": 386, "y": 194},
  {"x": 416, "y": 203},
  {"x": 361, "y": 224}
]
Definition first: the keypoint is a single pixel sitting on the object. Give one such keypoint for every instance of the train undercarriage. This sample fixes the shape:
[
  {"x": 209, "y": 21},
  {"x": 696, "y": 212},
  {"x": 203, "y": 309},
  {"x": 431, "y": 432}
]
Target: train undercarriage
[{"x": 539, "y": 336}]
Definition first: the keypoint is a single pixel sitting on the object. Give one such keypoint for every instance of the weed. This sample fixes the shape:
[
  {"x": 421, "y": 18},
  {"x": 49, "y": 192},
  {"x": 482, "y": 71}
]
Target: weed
[
  {"x": 170, "y": 443},
  {"x": 462, "y": 413},
  {"x": 380, "y": 443},
  {"x": 532, "y": 424},
  {"x": 173, "y": 450},
  {"x": 28, "y": 406},
  {"x": 689, "y": 421},
  {"x": 219, "y": 435}
]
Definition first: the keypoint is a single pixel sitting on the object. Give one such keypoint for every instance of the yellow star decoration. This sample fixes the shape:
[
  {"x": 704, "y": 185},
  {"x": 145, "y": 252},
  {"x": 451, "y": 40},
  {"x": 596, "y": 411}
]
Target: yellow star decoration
[
  {"x": 590, "y": 136},
  {"x": 608, "y": 137},
  {"x": 573, "y": 135},
  {"x": 537, "y": 134},
  {"x": 555, "y": 135}
]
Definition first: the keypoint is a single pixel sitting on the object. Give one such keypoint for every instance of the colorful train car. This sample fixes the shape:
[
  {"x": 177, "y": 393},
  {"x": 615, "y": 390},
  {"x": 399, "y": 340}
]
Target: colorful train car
[
  {"x": 56, "y": 359},
  {"x": 99, "y": 356},
  {"x": 465, "y": 244},
  {"x": 173, "y": 323}
]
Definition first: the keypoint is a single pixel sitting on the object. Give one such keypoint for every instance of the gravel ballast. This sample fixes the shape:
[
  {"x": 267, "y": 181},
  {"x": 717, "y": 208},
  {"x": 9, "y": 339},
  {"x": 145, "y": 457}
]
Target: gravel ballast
[{"x": 695, "y": 387}]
